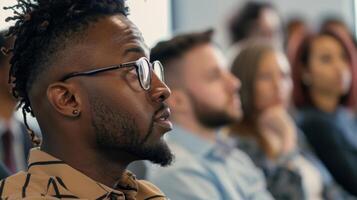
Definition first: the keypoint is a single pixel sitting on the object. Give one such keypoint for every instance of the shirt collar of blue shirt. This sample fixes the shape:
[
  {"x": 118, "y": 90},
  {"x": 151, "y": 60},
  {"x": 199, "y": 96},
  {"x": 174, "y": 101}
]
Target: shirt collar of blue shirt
[{"x": 199, "y": 146}]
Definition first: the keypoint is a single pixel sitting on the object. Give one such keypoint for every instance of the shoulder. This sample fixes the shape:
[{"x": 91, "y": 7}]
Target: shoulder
[
  {"x": 149, "y": 191},
  {"x": 184, "y": 160},
  {"x": 13, "y": 184},
  {"x": 23, "y": 185},
  {"x": 144, "y": 184},
  {"x": 311, "y": 114},
  {"x": 184, "y": 167}
]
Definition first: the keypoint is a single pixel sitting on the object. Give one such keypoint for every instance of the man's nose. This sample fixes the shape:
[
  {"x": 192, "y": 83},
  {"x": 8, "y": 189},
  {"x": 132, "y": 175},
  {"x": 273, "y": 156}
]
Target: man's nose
[
  {"x": 159, "y": 91},
  {"x": 233, "y": 83}
]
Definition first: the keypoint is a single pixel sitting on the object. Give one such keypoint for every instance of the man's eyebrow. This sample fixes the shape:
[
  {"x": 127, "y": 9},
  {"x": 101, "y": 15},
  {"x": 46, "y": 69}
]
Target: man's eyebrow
[{"x": 134, "y": 50}]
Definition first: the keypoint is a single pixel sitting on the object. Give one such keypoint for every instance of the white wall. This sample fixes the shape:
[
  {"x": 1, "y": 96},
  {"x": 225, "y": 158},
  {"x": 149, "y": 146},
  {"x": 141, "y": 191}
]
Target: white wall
[
  {"x": 5, "y": 13},
  {"x": 153, "y": 17},
  {"x": 200, "y": 14}
]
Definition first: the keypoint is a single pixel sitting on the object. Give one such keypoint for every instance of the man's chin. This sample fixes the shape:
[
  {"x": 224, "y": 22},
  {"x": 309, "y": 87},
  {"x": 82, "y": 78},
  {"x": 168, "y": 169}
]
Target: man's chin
[
  {"x": 159, "y": 153},
  {"x": 236, "y": 116}
]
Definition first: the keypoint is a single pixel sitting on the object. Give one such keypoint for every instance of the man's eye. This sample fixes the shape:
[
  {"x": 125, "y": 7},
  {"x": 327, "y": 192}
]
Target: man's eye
[
  {"x": 214, "y": 75},
  {"x": 131, "y": 73}
]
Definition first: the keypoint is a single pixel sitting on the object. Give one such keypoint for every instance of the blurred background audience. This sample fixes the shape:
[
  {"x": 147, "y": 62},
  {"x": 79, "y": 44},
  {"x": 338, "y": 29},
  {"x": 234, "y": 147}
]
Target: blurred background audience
[
  {"x": 269, "y": 135},
  {"x": 324, "y": 72},
  {"x": 255, "y": 20}
]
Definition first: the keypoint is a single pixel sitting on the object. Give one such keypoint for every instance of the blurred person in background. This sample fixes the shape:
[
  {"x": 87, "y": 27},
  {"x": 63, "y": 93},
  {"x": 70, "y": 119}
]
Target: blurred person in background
[
  {"x": 204, "y": 98},
  {"x": 296, "y": 30},
  {"x": 14, "y": 141},
  {"x": 3, "y": 171},
  {"x": 324, "y": 74},
  {"x": 254, "y": 20},
  {"x": 269, "y": 135},
  {"x": 338, "y": 25}
]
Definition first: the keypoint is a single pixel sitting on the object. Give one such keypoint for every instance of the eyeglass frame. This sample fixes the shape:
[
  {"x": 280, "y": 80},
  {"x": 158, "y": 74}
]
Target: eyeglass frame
[{"x": 120, "y": 66}]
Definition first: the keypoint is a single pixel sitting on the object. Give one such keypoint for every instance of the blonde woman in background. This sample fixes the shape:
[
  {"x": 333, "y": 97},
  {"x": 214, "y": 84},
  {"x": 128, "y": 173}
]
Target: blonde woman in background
[{"x": 267, "y": 132}]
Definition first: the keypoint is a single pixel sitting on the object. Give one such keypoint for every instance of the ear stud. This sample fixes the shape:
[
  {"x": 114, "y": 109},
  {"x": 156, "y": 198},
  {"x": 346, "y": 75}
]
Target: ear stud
[{"x": 75, "y": 112}]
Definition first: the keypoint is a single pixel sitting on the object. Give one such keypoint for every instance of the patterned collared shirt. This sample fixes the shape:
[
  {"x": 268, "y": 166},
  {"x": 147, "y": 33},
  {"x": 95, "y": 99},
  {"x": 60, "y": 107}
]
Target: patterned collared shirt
[{"x": 50, "y": 178}]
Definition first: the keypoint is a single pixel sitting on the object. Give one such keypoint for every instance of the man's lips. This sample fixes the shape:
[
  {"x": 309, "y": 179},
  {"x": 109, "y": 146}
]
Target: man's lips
[
  {"x": 236, "y": 101},
  {"x": 161, "y": 118}
]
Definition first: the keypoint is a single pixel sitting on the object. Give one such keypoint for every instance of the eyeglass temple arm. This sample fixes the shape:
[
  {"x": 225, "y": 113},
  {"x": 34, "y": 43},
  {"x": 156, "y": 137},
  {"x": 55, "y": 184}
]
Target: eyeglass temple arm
[{"x": 91, "y": 72}]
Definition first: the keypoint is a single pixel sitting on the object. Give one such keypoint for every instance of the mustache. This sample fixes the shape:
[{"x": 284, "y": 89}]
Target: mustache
[{"x": 163, "y": 106}]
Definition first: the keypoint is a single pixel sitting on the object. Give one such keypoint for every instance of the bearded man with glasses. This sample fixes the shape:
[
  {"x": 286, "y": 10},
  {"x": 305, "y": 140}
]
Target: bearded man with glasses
[{"x": 81, "y": 68}]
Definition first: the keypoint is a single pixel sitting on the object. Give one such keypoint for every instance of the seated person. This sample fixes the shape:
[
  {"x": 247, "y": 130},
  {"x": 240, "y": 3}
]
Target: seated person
[
  {"x": 269, "y": 135},
  {"x": 204, "y": 98},
  {"x": 82, "y": 69},
  {"x": 325, "y": 79}
]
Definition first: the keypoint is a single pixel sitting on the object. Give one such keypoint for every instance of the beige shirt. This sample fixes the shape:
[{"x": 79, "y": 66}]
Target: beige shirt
[{"x": 50, "y": 178}]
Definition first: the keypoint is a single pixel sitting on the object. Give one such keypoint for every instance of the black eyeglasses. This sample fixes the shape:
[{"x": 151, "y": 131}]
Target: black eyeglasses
[{"x": 142, "y": 66}]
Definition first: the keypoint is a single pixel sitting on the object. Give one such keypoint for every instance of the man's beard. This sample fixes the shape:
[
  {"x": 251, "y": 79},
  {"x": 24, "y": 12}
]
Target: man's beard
[
  {"x": 210, "y": 117},
  {"x": 118, "y": 132}
]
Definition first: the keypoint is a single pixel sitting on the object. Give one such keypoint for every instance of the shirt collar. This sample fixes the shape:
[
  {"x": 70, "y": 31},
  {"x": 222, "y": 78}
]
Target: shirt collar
[
  {"x": 190, "y": 141},
  {"x": 43, "y": 163},
  {"x": 196, "y": 145}
]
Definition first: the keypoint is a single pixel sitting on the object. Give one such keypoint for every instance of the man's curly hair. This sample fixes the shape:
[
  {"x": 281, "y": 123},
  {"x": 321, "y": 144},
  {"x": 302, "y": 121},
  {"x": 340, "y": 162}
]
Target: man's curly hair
[{"x": 42, "y": 29}]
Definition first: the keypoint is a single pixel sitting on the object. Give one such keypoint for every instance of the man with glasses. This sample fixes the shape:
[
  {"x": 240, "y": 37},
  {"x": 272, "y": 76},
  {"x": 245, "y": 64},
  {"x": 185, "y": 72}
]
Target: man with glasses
[
  {"x": 204, "y": 99},
  {"x": 81, "y": 68}
]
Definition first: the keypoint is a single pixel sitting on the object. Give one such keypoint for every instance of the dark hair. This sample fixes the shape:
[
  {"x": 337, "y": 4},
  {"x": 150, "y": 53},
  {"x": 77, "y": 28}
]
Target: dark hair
[
  {"x": 300, "y": 60},
  {"x": 178, "y": 45},
  {"x": 170, "y": 50},
  {"x": 42, "y": 29},
  {"x": 331, "y": 20},
  {"x": 245, "y": 19}
]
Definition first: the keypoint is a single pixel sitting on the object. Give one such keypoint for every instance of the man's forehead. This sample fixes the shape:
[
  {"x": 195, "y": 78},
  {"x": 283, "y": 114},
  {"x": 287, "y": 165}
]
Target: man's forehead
[
  {"x": 106, "y": 42},
  {"x": 206, "y": 57},
  {"x": 119, "y": 31},
  {"x": 128, "y": 30}
]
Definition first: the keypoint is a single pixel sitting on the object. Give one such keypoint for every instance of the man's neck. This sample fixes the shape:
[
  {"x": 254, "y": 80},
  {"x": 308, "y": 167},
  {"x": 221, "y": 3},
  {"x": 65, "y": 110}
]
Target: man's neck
[
  {"x": 100, "y": 167},
  {"x": 326, "y": 103}
]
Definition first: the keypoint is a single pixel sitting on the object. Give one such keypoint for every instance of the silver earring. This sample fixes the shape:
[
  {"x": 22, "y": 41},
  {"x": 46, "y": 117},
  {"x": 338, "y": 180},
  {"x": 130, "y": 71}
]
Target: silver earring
[{"x": 75, "y": 112}]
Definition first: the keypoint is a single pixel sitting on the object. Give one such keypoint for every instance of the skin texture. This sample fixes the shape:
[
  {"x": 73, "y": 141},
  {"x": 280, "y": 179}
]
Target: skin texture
[
  {"x": 207, "y": 96},
  {"x": 273, "y": 84},
  {"x": 328, "y": 74},
  {"x": 118, "y": 122},
  {"x": 272, "y": 91}
]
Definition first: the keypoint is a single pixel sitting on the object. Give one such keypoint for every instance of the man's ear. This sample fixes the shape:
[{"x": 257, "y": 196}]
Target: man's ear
[
  {"x": 179, "y": 101},
  {"x": 64, "y": 98}
]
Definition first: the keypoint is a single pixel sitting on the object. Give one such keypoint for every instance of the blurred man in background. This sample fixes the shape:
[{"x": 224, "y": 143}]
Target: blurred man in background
[{"x": 204, "y": 98}]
